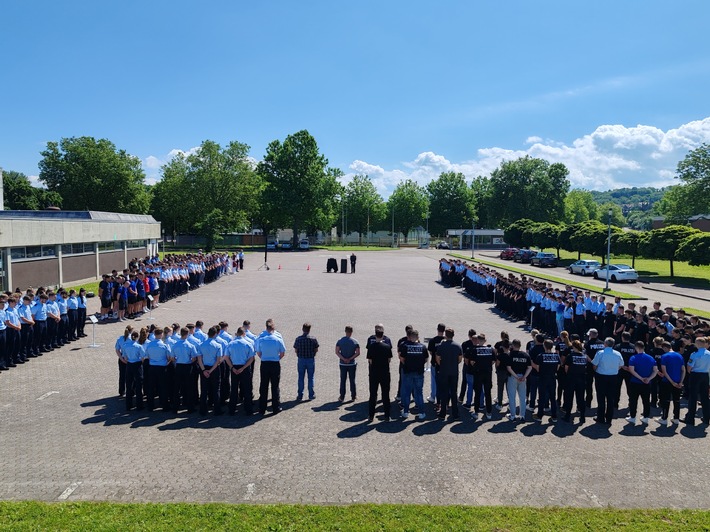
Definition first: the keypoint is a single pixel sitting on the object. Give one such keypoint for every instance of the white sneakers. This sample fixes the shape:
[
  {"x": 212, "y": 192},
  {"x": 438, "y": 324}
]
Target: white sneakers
[
  {"x": 662, "y": 421},
  {"x": 631, "y": 420},
  {"x": 422, "y": 415},
  {"x": 644, "y": 420}
]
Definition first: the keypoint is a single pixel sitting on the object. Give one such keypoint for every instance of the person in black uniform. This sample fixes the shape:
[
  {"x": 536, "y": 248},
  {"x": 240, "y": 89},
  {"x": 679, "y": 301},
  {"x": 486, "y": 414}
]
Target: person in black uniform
[
  {"x": 576, "y": 382},
  {"x": 448, "y": 358},
  {"x": 379, "y": 355},
  {"x": 627, "y": 350},
  {"x": 483, "y": 360},
  {"x": 547, "y": 364},
  {"x": 353, "y": 260}
]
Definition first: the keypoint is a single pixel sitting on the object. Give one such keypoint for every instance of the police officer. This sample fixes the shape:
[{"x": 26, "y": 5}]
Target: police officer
[
  {"x": 379, "y": 355},
  {"x": 185, "y": 354},
  {"x": 39, "y": 314},
  {"x": 607, "y": 364},
  {"x": 122, "y": 370},
  {"x": 699, "y": 367},
  {"x": 209, "y": 359},
  {"x": 132, "y": 354},
  {"x": 239, "y": 357},
  {"x": 159, "y": 357},
  {"x": 27, "y": 323},
  {"x": 13, "y": 333},
  {"x": 271, "y": 349},
  {"x": 576, "y": 381}
]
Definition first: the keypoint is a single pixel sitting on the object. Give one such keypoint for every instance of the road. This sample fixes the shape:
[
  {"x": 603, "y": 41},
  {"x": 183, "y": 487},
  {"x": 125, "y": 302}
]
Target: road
[{"x": 677, "y": 300}]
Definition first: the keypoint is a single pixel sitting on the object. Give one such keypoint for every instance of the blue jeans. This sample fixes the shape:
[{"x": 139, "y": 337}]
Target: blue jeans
[
  {"x": 306, "y": 365},
  {"x": 433, "y": 384},
  {"x": 412, "y": 384},
  {"x": 469, "y": 391},
  {"x": 347, "y": 372}
]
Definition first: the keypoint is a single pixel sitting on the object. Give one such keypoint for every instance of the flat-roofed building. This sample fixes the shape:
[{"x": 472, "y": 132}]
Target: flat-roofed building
[{"x": 54, "y": 247}]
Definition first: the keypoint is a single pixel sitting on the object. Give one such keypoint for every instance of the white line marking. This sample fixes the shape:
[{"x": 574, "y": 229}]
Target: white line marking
[
  {"x": 43, "y": 397},
  {"x": 67, "y": 492}
]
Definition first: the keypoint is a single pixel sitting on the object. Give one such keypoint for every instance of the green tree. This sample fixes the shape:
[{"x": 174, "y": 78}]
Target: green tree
[
  {"x": 527, "y": 188},
  {"x": 92, "y": 174},
  {"x": 695, "y": 249},
  {"x": 663, "y": 243},
  {"x": 678, "y": 204},
  {"x": 546, "y": 235},
  {"x": 482, "y": 203},
  {"x": 564, "y": 239},
  {"x": 515, "y": 234},
  {"x": 450, "y": 203},
  {"x": 365, "y": 207},
  {"x": 591, "y": 237},
  {"x": 19, "y": 194},
  {"x": 298, "y": 183},
  {"x": 211, "y": 227},
  {"x": 580, "y": 206},
  {"x": 617, "y": 216},
  {"x": 410, "y": 205},
  {"x": 627, "y": 243}
]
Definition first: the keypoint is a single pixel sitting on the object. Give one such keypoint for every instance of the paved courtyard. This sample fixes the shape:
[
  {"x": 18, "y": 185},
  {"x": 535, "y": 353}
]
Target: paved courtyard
[{"x": 64, "y": 434}]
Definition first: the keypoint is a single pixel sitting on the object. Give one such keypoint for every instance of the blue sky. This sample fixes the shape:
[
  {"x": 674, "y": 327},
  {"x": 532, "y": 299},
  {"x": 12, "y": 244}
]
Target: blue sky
[{"x": 618, "y": 91}]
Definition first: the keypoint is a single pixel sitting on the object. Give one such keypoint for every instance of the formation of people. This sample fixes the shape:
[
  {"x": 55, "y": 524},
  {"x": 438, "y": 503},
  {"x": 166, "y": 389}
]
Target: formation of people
[
  {"x": 145, "y": 283},
  {"x": 185, "y": 368}
]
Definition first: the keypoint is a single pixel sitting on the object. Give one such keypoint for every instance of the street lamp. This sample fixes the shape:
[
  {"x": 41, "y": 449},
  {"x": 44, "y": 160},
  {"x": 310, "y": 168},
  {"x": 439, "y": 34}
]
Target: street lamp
[
  {"x": 473, "y": 236},
  {"x": 608, "y": 251},
  {"x": 393, "y": 225}
]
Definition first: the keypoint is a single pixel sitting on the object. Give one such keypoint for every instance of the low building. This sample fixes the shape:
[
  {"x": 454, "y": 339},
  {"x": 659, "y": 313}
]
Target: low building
[
  {"x": 699, "y": 221},
  {"x": 484, "y": 238},
  {"x": 54, "y": 247}
]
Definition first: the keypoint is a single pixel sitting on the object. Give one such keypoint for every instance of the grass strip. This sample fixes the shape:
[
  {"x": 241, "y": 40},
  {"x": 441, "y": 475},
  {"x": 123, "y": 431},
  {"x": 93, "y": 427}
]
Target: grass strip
[
  {"x": 552, "y": 278},
  {"x": 361, "y": 517}
]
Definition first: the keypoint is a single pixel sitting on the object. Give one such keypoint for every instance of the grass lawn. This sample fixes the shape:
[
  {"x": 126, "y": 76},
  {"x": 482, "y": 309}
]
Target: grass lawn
[
  {"x": 354, "y": 248},
  {"x": 544, "y": 275},
  {"x": 172, "y": 517}
]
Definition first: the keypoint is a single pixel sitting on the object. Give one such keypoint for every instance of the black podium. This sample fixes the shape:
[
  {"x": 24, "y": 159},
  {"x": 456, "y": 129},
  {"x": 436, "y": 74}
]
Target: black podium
[
  {"x": 343, "y": 265},
  {"x": 332, "y": 265}
]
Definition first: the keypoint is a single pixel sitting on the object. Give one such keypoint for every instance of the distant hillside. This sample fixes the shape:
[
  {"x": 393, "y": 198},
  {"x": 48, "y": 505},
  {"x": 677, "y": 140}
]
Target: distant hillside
[{"x": 630, "y": 199}]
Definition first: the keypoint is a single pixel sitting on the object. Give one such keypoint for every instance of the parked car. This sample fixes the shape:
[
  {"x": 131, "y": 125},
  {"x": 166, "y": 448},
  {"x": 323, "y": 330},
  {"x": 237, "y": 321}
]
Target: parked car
[
  {"x": 544, "y": 259},
  {"x": 272, "y": 245},
  {"x": 442, "y": 245},
  {"x": 584, "y": 267},
  {"x": 508, "y": 253},
  {"x": 524, "y": 255},
  {"x": 304, "y": 244},
  {"x": 617, "y": 272},
  {"x": 286, "y": 246}
]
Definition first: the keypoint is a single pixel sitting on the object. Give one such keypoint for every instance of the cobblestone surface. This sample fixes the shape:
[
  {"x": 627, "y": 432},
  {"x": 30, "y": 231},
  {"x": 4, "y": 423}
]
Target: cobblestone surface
[{"x": 64, "y": 432}]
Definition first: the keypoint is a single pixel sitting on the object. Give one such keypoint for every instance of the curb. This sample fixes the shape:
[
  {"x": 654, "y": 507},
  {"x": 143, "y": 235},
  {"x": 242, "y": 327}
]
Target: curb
[{"x": 675, "y": 293}]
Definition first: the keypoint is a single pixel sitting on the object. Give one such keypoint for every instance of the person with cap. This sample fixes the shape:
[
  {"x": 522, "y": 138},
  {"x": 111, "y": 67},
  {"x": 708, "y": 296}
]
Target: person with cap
[
  {"x": 209, "y": 359},
  {"x": 642, "y": 370},
  {"x": 306, "y": 347},
  {"x": 607, "y": 364},
  {"x": 347, "y": 349},
  {"x": 239, "y": 357},
  {"x": 27, "y": 323},
  {"x": 699, "y": 367},
  {"x": 270, "y": 349},
  {"x": 379, "y": 355}
]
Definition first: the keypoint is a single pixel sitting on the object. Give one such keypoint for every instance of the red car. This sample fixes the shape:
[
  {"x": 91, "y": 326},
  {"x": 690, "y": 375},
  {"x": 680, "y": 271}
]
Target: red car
[{"x": 508, "y": 253}]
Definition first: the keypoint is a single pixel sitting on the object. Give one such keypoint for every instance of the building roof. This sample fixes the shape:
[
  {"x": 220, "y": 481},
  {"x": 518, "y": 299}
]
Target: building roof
[{"x": 67, "y": 216}]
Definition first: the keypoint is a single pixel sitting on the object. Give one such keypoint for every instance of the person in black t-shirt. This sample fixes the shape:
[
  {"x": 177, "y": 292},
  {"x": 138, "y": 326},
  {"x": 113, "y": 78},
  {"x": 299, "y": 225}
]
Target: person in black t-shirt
[
  {"x": 483, "y": 360},
  {"x": 379, "y": 355},
  {"x": 519, "y": 367},
  {"x": 413, "y": 355},
  {"x": 501, "y": 349},
  {"x": 534, "y": 349},
  {"x": 547, "y": 364},
  {"x": 627, "y": 350},
  {"x": 436, "y": 340},
  {"x": 407, "y": 330},
  {"x": 468, "y": 348},
  {"x": 464, "y": 369},
  {"x": 448, "y": 358},
  {"x": 576, "y": 367},
  {"x": 591, "y": 347}
]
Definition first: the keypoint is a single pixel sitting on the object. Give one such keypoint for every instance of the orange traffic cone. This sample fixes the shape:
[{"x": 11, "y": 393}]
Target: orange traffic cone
[
  {"x": 309, "y": 268},
  {"x": 279, "y": 266}
]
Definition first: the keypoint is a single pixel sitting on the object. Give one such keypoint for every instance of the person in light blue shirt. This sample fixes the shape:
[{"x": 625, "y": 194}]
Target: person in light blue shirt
[
  {"x": 198, "y": 332},
  {"x": 607, "y": 364},
  {"x": 185, "y": 354},
  {"x": 699, "y": 367},
  {"x": 270, "y": 348},
  {"x": 159, "y": 356},
  {"x": 122, "y": 369},
  {"x": 81, "y": 313},
  {"x": 133, "y": 355},
  {"x": 209, "y": 360},
  {"x": 73, "y": 314},
  {"x": 27, "y": 321},
  {"x": 39, "y": 314},
  {"x": 239, "y": 357},
  {"x": 5, "y": 353}
]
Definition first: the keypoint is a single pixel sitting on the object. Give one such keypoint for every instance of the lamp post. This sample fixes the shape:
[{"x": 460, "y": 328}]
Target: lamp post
[
  {"x": 392, "y": 224},
  {"x": 608, "y": 251},
  {"x": 473, "y": 236},
  {"x": 367, "y": 244}
]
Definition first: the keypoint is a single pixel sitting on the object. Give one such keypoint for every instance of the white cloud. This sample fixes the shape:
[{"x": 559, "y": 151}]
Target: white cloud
[
  {"x": 152, "y": 164},
  {"x": 612, "y": 156},
  {"x": 35, "y": 182}
]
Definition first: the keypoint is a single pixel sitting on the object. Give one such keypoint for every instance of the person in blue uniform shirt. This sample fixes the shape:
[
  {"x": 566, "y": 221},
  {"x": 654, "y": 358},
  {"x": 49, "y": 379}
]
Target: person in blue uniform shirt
[
  {"x": 64, "y": 315},
  {"x": 270, "y": 349},
  {"x": 671, "y": 385},
  {"x": 39, "y": 314},
  {"x": 642, "y": 369},
  {"x": 81, "y": 314},
  {"x": 122, "y": 370},
  {"x": 208, "y": 360},
  {"x": 53, "y": 319},
  {"x": 699, "y": 367},
  {"x": 159, "y": 356},
  {"x": 73, "y": 314},
  {"x": 27, "y": 322},
  {"x": 5, "y": 357},
  {"x": 239, "y": 357},
  {"x": 132, "y": 354},
  {"x": 13, "y": 333},
  {"x": 185, "y": 354}
]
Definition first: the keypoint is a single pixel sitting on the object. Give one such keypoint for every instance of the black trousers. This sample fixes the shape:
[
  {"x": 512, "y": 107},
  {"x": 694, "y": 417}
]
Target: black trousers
[
  {"x": 670, "y": 393},
  {"x": 606, "y": 396},
  {"x": 80, "y": 321},
  {"x": 73, "y": 315},
  {"x": 698, "y": 387},
  {"x": 379, "y": 380},
  {"x": 224, "y": 383},
  {"x": 270, "y": 377},
  {"x": 209, "y": 392},
  {"x": 134, "y": 384},
  {"x": 12, "y": 344},
  {"x": 5, "y": 356},
  {"x": 483, "y": 383},
  {"x": 547, "y": 393},
  {"x": 501, "y": 382},
  {"x": 449, "y": 385},
  {"x": 625, "y": 377},
  {"x": 121, "y": 377},
  {"x": 40, "y": 336},
  {"x": 241, "y": 385},
  {"x": 575, "y": 388},
  {"x": 63, "y": 331},
  {"x": 182, "y": 388},
  {"x": 636, "y": 390},
  {"x": 26, "y": 338},
  {"x": 157, "y": 383},
  {"x": 591, "y": 376}
]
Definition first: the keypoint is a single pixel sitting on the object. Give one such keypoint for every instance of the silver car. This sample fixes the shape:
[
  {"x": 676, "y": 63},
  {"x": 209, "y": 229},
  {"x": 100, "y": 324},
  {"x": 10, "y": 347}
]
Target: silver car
[{"x": 584, "y": 267}]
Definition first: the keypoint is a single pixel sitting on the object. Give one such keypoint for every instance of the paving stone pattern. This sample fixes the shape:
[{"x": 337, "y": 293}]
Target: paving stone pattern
[{"x": 79, "y": 444}]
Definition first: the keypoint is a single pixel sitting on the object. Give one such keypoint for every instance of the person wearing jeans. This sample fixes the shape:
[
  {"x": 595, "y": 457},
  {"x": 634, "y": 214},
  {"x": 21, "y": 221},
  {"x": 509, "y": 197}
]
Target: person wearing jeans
[
  {"x": 347, "y": 350},
  {"x": 306, "y": 347},
  {"x": 413, "y": 355},
  {"x": 519, "y": 367}
]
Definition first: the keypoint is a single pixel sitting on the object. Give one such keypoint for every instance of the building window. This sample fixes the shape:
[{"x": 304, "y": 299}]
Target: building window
[
  {"x": 110, "y": 246},
  {"x": 134, "y": 244},
  {"x": 77, "y": 249},
  {"x": 33, "y": 252}
]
